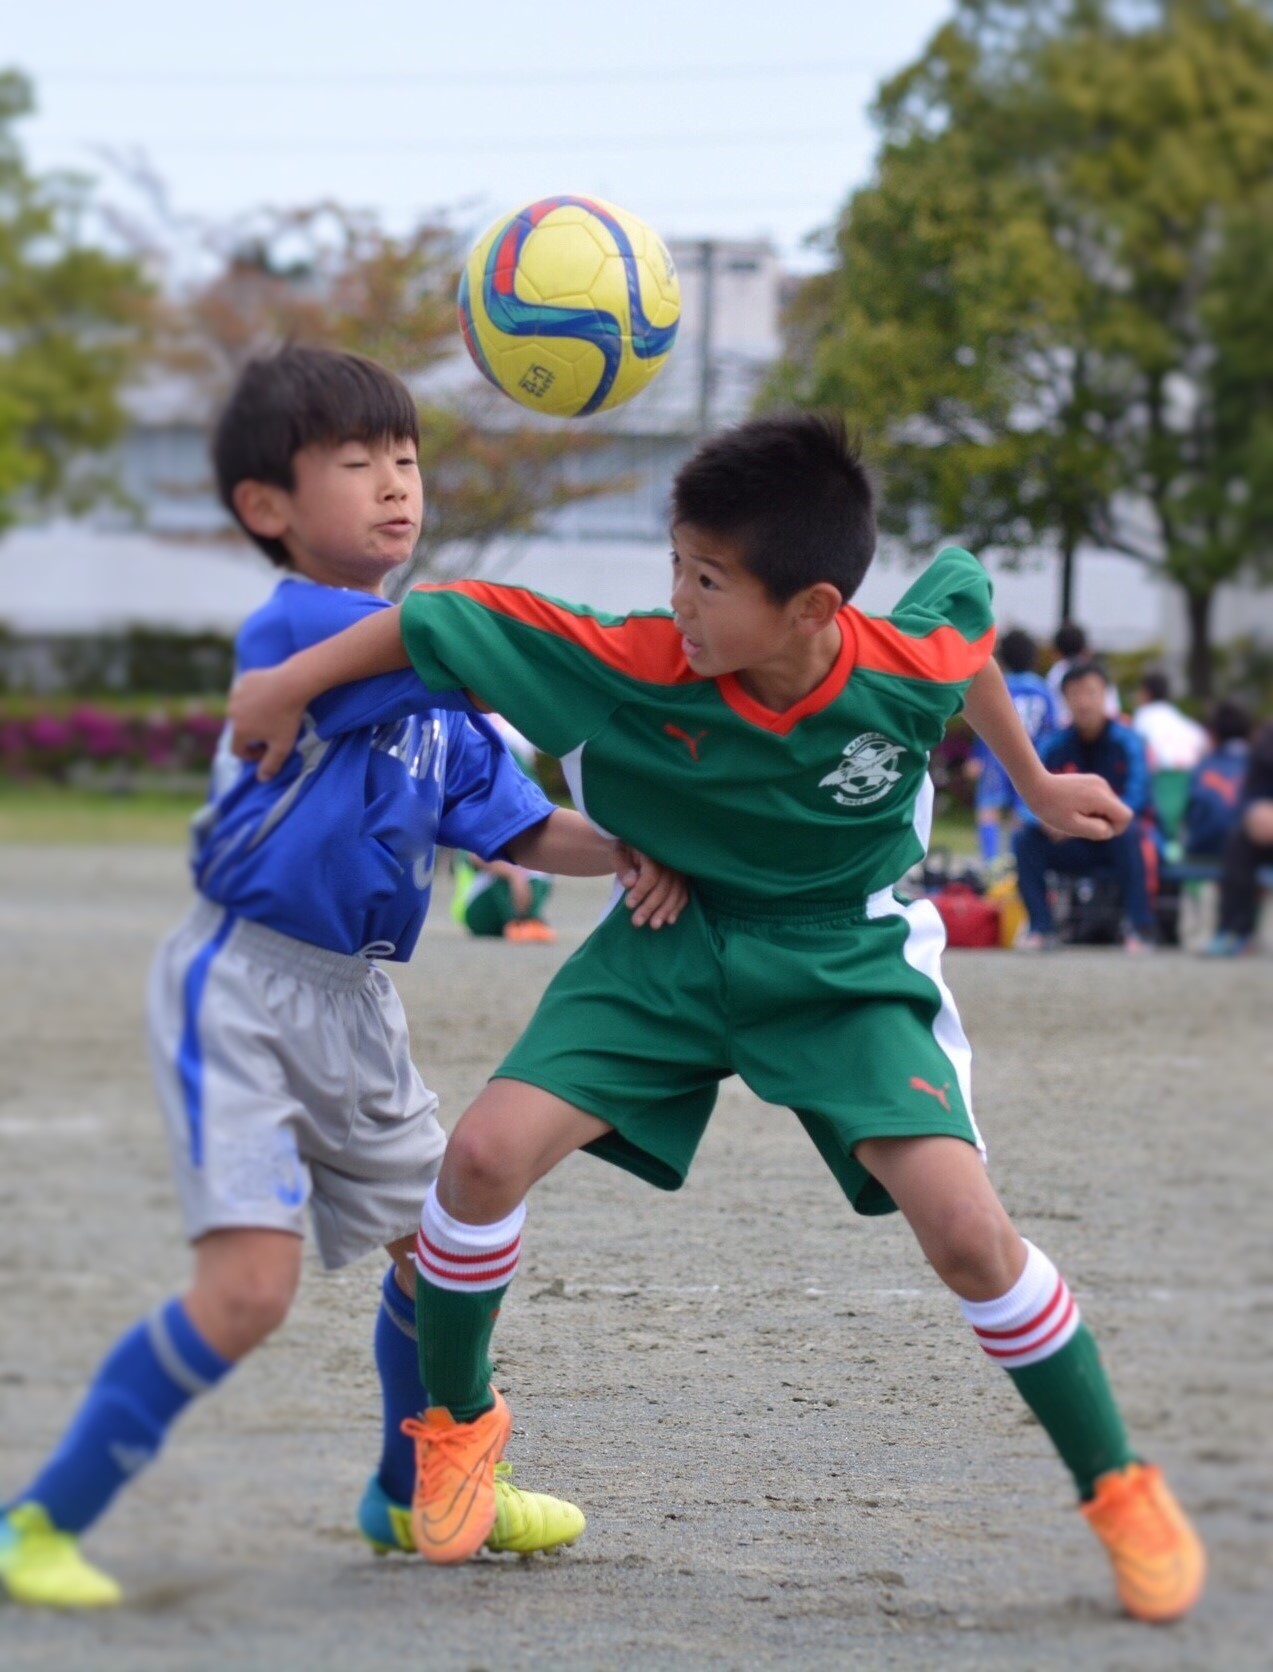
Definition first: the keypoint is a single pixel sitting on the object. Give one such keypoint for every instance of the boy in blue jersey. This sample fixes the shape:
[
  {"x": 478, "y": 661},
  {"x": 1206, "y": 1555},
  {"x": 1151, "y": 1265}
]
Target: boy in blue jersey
[
  {"x": 1034, "y": 701},
  {"x": 278, "y": 1044}
]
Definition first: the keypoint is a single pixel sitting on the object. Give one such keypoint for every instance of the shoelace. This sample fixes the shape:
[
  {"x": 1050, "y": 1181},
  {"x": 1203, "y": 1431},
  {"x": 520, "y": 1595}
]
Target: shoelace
[{"x": 448, "y": 1443}]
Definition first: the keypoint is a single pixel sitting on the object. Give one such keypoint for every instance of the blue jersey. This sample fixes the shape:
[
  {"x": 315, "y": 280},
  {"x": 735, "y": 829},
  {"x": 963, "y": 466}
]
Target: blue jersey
[
  {"x": 1036, "y": 704},
  {"x": 338, "y": 849},
  {"x": 1215, "y": 799}
]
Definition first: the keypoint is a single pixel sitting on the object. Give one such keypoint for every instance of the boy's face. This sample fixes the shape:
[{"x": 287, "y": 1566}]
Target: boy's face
[
  {"x": 353, "y": 515},
  {"x": 1085, "y": 699},
  {"x": 727, "y": 619}
]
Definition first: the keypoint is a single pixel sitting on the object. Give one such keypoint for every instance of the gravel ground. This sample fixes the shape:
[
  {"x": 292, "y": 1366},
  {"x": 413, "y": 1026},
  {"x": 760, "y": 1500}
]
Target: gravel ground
[{"x": 790, "y": 1451}]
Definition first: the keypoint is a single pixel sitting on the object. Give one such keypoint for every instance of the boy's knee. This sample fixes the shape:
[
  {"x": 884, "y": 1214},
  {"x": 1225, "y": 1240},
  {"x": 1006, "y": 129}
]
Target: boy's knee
[
  {"x": 241, "y": 1308},
  {"x": 479, "y": 1168},
  {"x": 975, "y": 1249}
]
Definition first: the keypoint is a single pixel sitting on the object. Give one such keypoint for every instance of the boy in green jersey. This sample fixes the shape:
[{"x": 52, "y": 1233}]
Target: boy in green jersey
[{"x": 772, "y": 742}]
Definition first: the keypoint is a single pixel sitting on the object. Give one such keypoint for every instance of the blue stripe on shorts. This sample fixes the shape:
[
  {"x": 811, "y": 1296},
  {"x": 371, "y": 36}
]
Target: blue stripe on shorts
[{"x": 190, "y": 1051}]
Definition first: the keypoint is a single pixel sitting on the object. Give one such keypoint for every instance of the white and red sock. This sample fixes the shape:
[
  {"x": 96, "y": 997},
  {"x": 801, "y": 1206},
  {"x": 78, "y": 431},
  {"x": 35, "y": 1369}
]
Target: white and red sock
[
  {"x": 1035, "y": 1319},
  {"x": 467, "y": 1258}
]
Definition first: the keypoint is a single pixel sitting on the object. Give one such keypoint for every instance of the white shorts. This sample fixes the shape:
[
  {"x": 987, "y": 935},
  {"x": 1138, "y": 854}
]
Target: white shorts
[{"x": 285, "y": 1077}]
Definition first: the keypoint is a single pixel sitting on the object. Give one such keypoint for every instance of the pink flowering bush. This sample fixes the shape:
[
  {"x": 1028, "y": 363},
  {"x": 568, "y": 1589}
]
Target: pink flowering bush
[{"x": 117, "y": 747}]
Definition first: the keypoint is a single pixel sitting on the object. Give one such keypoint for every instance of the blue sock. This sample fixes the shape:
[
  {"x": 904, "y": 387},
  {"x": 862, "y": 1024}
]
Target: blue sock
[
  {"x": 147, "y": 1380},
  {"x": 988, "y": 837},
  {"x": 398, "y": 1361}
]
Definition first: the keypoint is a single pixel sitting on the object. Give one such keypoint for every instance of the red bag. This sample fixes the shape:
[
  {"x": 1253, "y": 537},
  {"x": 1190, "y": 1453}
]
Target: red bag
[{"x": 970, "y": 920}]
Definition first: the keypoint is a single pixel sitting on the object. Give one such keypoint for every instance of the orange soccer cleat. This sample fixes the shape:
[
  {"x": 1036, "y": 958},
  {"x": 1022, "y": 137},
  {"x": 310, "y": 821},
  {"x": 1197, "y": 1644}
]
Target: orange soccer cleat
[
  {"x": 1159, "y": 1563},
  {"x": 453, "y": 1509},
  {"x": 529, "y": 929}
]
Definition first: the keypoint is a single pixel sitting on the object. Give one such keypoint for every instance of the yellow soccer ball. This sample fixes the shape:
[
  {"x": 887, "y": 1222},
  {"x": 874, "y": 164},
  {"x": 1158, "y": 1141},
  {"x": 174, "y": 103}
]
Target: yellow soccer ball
[{"x": 569, "y": 306}]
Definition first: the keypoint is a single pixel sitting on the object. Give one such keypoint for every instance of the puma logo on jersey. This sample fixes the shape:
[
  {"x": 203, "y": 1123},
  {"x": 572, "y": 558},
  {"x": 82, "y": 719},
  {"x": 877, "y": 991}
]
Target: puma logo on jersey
[
  {"x": 866, "y": 773},
  {"x": 691, "y": 743},
  {"x": 939, "y": 1092}
]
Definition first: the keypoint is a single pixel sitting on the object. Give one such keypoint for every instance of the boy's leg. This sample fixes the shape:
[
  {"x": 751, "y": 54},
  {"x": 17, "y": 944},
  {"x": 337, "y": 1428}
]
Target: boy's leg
[
  {"x": 243, "y": 1285},
  {"x": 525, "y": 1521},
  {"x": 466, "y": 1254},
  {"x": 1026, "y": 1320},
  {"x": 1034, "y": 853}
]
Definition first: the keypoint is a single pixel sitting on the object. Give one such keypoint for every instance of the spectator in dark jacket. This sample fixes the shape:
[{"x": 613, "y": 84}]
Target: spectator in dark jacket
[
  {"x": 1214, "y": 806},
  {"x": 1248, "y": 850},
  {"x": 1091, "y": 743}
]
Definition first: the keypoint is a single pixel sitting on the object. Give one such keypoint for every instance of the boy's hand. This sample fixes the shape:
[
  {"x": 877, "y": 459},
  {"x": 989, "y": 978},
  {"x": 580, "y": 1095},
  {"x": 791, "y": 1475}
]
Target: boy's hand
[
  {"x": 655, "y": 893},
  {"x": 1079, "y": 804},
  {"x": 265, "y": 718}
]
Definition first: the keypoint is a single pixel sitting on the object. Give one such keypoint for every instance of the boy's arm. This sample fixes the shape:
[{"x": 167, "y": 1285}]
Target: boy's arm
[
  {"x": 266, "y": 706},
  {"x": 566, "y": 843},
  {"x": 1070, "y": 803}
]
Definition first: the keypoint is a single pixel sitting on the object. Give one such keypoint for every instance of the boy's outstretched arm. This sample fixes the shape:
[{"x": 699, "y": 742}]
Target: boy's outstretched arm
[
  {"x": 566, "y": 843},
  {"x": 1068, "y": 803},
  {"x": 266, "y": 706}
]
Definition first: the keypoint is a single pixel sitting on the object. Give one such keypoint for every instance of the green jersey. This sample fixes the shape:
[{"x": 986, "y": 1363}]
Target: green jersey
[{"x": 828, "y": 800}]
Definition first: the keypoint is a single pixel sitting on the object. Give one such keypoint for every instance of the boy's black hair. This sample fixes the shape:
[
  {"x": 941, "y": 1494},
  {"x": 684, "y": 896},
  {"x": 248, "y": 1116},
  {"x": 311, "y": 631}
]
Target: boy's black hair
[
  {"x": 303, "y": 397},
  {"x": 1230, "y": 721},
  {"x": 792, "y": 490},
  {"x": 1084, "y": 670},
  {"x": 1018, "y": 651},
  {"x": 1070, "y": 639},
  {"x": 1155, "y": 684}
]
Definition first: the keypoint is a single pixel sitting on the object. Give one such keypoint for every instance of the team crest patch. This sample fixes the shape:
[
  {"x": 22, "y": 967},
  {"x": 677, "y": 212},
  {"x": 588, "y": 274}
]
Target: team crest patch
[{"x": 867, "y": 772}]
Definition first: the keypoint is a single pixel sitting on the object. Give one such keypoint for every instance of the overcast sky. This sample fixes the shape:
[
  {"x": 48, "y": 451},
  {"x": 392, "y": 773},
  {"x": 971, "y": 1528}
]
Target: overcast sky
[{"x": 726, "y": 119}]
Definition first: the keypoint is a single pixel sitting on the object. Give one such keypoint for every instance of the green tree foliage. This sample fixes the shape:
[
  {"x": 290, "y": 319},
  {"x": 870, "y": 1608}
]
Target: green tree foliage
[
  {"x": 71, "y": 320},
  {"x": 328, "y": 275},
  {"x": 1050, "y": 307}
]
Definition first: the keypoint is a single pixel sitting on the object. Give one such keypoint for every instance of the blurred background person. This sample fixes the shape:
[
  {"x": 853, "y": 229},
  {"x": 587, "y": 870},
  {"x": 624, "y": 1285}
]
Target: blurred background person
[
  {"x": 1248, "y": 851},
  {"x": 1071, "y": 646},
  {"x": 1214, "y": 807},
  {"x": 1174, "y": 742},
  {"x": 1092, "y": 742}
]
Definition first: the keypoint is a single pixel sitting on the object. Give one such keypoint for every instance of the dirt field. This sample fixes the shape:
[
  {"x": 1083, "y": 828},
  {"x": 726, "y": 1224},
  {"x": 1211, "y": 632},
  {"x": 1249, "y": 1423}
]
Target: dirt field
[{"x": 790, "y": 1450}]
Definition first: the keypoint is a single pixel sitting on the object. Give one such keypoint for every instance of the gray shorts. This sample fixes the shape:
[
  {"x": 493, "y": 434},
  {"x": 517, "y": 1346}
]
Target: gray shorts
[{"x": 285, "y": 1077}]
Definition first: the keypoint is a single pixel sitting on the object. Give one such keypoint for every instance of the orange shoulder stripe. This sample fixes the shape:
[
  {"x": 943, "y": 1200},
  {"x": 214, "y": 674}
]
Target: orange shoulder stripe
[
  {"x": 645, "y": 647},
  {"x": 943, "y": 656}
]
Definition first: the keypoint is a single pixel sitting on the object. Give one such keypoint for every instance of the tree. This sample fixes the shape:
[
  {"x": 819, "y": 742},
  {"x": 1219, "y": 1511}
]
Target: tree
[
  {"x": 71, "y": 322},
  {"x": 1045, "y": 306},
  {"x": 328, "y": 275}
]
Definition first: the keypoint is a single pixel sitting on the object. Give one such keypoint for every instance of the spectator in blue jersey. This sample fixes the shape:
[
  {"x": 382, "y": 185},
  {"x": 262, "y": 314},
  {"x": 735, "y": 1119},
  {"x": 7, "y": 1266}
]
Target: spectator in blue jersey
[
  {"x": 1214, "y": 807},
  {"x": 1248, "y": 851},
  {"x": 1034, "y": 701},
  {"x": 1092, "y": 742},
  {"x": 278, "y": 1043}
]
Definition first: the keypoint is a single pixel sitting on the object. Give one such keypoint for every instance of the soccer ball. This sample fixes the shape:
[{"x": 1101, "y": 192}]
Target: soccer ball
[{"x": 570, "y": 306}]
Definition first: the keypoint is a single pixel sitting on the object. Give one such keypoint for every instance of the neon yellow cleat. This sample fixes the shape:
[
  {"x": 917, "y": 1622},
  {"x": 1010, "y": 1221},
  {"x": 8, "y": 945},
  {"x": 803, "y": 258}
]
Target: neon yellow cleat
[
  {"x": 43, "y": 1568},
  {"x": 530, "y": 1521},
  {"x": 524, "y": 1521}
]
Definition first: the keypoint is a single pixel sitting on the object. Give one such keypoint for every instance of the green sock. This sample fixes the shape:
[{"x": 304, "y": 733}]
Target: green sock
[
  {"x": 1072, "y": 1398},
  {"x": 454, "y": 1331}
]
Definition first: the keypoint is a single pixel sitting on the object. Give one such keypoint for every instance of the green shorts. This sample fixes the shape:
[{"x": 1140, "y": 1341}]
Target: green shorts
[{"x": 838, "y": 1012}]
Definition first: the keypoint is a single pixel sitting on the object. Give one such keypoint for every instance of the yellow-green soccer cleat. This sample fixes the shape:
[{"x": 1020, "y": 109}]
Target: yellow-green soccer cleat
[
  {"x": 43, "y": 1567},
  {"x": 524, "y": 1521}
]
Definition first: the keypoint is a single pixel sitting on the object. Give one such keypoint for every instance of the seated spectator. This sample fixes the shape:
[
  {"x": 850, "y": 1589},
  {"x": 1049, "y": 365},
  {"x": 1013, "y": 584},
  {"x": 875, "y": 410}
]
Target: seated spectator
[
  {"x": 1070, "y": 644},
  {"x": 1248, "y": 850},
  {"x": 1091, "y": 743},
  {"x": 1215, "y": 789},
  {"x": 1035, "y": 703},
  {"x": 496, "y": 897},
  {"x": 1174, "y": 742}
]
